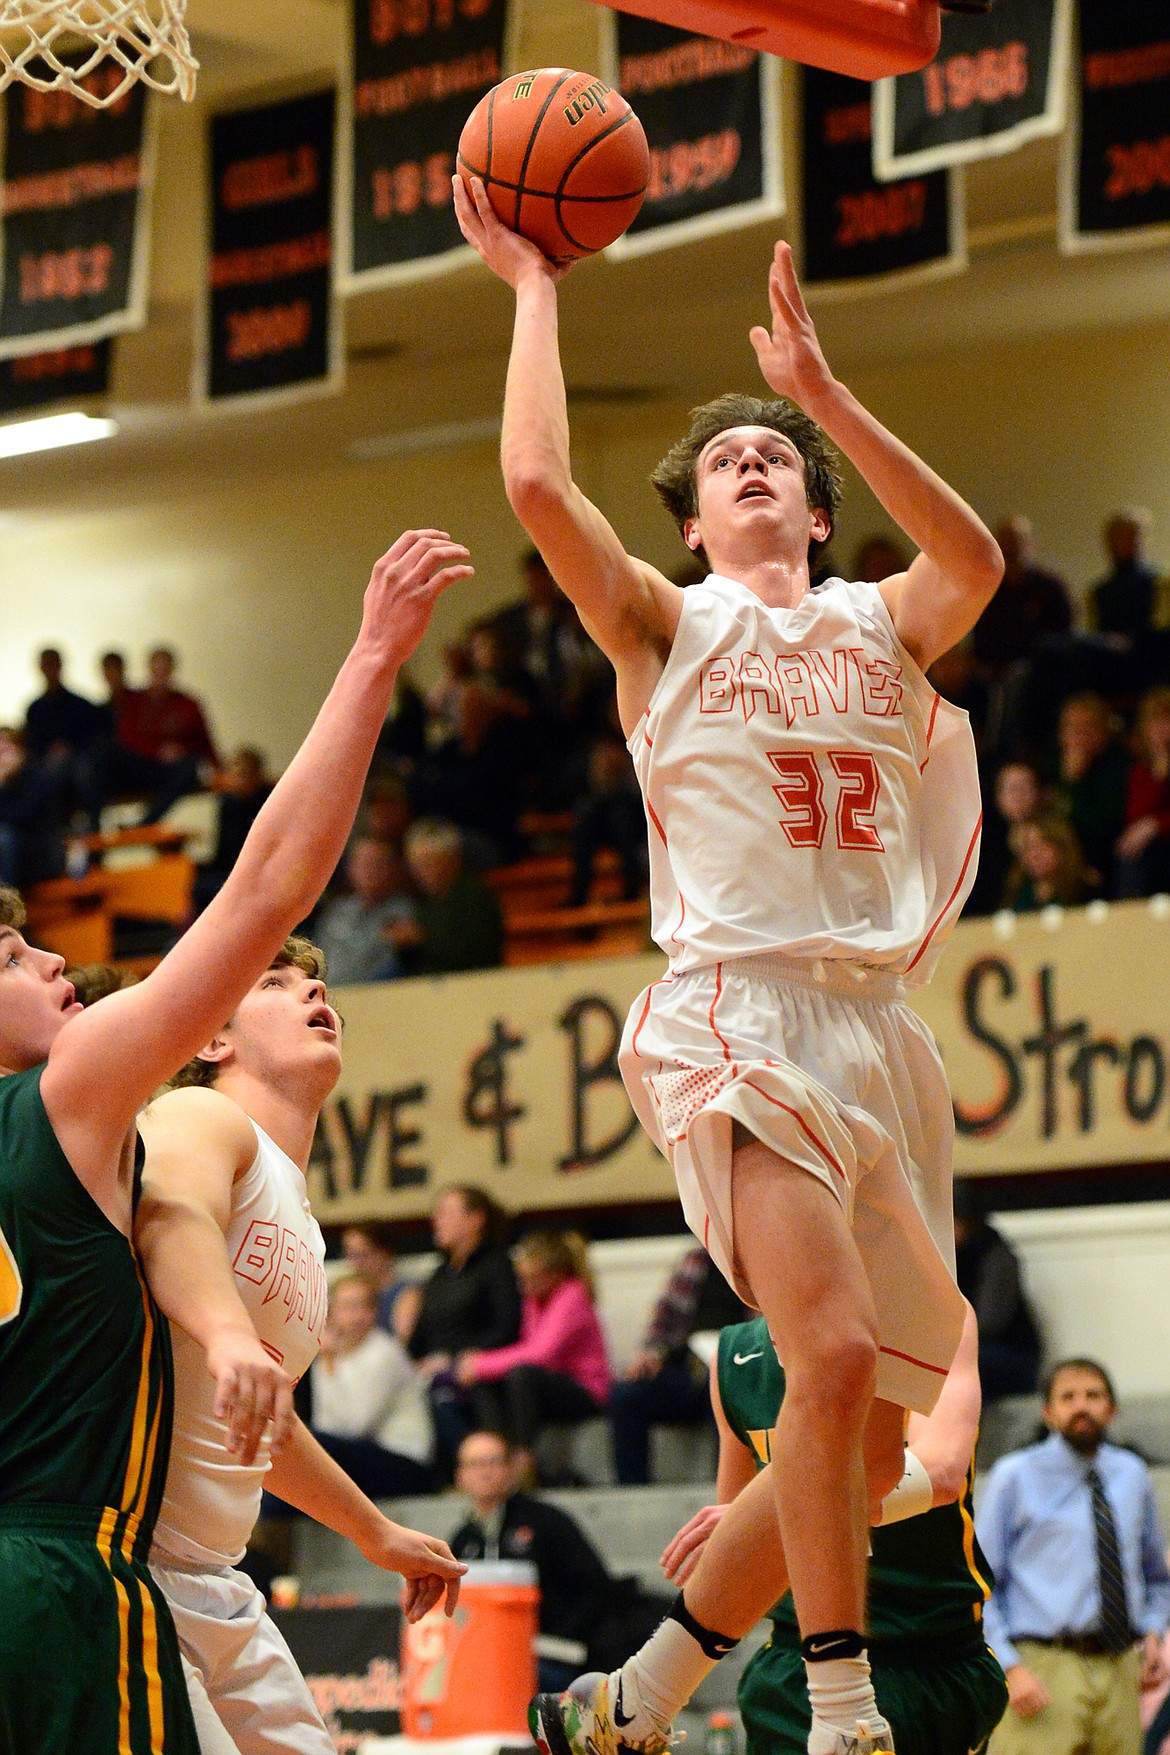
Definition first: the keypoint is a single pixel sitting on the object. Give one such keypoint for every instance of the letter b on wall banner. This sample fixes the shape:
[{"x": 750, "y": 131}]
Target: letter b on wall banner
[
  {"x": 268, "y": 326},
  {"x": 1115, "y": 174},
  {"x": 711, "y": 111}
]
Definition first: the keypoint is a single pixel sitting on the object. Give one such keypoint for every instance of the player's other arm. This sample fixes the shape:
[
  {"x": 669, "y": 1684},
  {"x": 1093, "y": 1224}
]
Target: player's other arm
[
  {"x": 108, "y": 1060},
  {"x": 628, "y": 608},
  {"x": 944, "y": 1440},
  {"x": 306, "y": 1476},
  {"x": 197, "y": 1143},
  {"x": 737, "y": 1466},
  {"x": 947, "y": 586}
]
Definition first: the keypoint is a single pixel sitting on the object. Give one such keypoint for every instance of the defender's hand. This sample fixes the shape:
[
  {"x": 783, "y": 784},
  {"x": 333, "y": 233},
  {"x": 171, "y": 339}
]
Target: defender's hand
[
  {"x": 506, "y": 253},
  {"x": 789, "y": 354},
  {"x": 405, "y": 585},
  {"x": 251, "y": 1391},
  {"x": 681, "y": 1556},
  {"x": 1027, "y": 1694},
  {"x": 427, "y": 1565}
]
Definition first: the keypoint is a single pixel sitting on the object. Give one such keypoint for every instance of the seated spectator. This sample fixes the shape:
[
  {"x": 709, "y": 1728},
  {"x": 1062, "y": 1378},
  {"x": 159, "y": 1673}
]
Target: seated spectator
[
  {"x": 1020, "y": 796},
  {"x": 30, "y": 848},
  {"x": 370, "y": 1252},
  {"x": 988, "y": 1271},
  {"x": 957, "y": 677},
  {"x": 475, "y": 776},
  {"x": 610, "y": 814},
  {"x": 582, "y": 1604},
  {"x": 878, "y": 558},
  {"x": 665, "y": 1385},
  {"x": 471, "y": 1302},
  {"x": 457, "y": 919},
  {"x": 360, "y": 933},
  {"x": 557, "y": 1371},
  {"x": 59, "y": 725},
  {"x": 243, "y": 788},
  {"x": 369, "y": 1403},
  {"x": 1092, "y": 778},
  {"x": 119, "y": 695},
  {"x": 159, "y": 748},
  {"x": 1049, "y": 867},
  {"x": 166, "y": 724},
  {"x": 1029, "y": 603},
  {"x": 385, "y": 812},
  {"x": 1122, "y": 603},
  {"x": 403, "y": 737},
  {"x": 1142, "y": 853}
]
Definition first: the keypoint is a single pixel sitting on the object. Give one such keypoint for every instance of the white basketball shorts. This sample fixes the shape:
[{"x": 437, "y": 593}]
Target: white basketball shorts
[
  {"x": 247, "y": 1694},
  {"x": 827, "y": 1065}
]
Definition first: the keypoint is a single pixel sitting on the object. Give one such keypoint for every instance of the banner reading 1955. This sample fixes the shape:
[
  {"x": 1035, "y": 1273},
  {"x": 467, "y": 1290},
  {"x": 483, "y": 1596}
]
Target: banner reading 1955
[{"x": 418, "y": 69}]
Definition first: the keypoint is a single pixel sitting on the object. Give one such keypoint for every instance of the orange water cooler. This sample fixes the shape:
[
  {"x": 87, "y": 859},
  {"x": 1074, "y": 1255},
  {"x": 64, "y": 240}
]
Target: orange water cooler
[{"x": 474, "y": 1673}]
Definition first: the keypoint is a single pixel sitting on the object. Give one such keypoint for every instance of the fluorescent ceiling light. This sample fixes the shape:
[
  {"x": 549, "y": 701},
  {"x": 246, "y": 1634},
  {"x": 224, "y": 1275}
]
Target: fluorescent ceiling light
[{"x": 52, "y": 431}]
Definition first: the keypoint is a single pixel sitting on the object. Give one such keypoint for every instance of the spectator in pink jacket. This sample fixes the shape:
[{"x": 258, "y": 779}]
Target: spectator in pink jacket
[{"x": 558, "y": 1370}]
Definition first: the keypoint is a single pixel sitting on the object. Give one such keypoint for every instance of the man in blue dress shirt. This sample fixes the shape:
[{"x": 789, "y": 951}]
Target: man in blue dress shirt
[{"x": 1082, "y": 1591}]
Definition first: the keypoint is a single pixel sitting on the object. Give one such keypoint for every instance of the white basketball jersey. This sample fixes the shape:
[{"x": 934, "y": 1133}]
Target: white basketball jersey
[
  {"x": 808, "y": 792},
  {"x": 277, "y": 1252}
]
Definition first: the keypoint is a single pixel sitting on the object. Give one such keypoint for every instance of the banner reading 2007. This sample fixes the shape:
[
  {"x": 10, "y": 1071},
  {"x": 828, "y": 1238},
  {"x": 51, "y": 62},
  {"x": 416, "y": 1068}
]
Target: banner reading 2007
[{"x": 418, "y": 69}]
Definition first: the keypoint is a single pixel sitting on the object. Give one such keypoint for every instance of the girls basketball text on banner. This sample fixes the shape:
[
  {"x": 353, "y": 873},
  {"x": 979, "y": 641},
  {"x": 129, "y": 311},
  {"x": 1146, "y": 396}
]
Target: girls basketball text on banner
[
  {"x": 998, "y": 80},
  {"x": 267, "y": 326},
  {"x": 76, "y": 212},
  {"x": 418, "y": 68},
  {"x": 711, "y": 114},
  {"x": 64, "y": 374},
  {"x": 1115, "y": 173},
  {"x": 857, "y": 230}
]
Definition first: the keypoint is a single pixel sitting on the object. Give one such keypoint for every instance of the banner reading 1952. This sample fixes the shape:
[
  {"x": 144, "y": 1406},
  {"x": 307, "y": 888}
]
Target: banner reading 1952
[
  {"x": 1115, "y": 178},
  {"x": 418, "y": 69}
]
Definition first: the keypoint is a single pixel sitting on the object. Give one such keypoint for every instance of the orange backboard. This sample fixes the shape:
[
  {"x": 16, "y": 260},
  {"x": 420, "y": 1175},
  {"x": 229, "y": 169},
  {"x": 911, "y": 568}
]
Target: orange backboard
[{"x": 867, "y": 39}]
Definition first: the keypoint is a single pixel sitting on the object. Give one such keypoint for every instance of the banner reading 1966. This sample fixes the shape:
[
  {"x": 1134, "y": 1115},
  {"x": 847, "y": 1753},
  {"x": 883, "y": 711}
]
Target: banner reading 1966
[
  {"x": 418, "y": 69},
  {"x": 1115, "y": 177},
  {"x": 76, "y": 201},
  {"x": 711, "y": 114}
]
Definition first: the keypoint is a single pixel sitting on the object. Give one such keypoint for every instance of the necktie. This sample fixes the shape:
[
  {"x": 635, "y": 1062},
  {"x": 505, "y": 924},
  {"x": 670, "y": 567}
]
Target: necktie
[{"x": 1115, "y": 1628}]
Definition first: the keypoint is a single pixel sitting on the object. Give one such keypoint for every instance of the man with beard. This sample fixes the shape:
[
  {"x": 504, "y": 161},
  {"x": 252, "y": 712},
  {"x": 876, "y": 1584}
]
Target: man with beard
[{"x": 1082, "y": 1592}]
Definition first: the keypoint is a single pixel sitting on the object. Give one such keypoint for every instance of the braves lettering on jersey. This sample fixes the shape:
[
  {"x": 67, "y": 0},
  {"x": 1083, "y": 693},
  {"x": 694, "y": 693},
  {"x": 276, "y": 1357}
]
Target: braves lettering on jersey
[
  {"x": 808, "y": 791},
  {"x": 277, "y": 1252}
]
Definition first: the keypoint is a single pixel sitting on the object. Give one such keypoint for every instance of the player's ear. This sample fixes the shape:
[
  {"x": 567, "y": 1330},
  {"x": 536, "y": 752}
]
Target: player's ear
[
  {"x": 692, "y": 535},
  {"x": 821, "y": 528},
  {"x": 218, "y": 1051}
]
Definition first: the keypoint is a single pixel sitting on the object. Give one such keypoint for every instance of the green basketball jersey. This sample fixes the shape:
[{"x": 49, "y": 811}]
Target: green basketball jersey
[
  {"x": 928, "y": 1578},
  {"x": 85, "y": 1358}
]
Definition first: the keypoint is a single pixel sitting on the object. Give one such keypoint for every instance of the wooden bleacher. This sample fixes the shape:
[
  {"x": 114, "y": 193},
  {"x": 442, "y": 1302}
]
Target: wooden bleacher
[
  {"x": 540, "y": 926},
  {"x": 76, "y": 916}
]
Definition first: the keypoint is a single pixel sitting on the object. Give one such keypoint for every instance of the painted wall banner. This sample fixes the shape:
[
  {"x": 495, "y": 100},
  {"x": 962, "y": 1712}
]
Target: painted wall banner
[
  {"x": 66, "y": 374},
  {"x": 76, "y": 216},
  {"x": 1115, "y": 168},
  {"x": 711, "y": 111},
  {"x": 349, "y": 1658},
  {"x": 857, "y": 230},
  {"x": 417, "y": 70},
  {"x": 509, "y": 1079},
  {"x": 999, "y": 80},
  {"x": 267, "y": 327}
]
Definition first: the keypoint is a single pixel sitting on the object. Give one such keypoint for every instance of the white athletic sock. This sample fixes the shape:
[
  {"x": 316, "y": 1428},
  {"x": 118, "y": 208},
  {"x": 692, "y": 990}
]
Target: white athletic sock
[
  {"x": 656, "y": 1683},
  {"x": 841, "y": 1695}
]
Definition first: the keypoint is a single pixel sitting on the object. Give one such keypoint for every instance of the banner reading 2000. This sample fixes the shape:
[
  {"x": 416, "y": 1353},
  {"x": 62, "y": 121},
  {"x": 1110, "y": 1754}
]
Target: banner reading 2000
[{"x": 418, "y": 69}]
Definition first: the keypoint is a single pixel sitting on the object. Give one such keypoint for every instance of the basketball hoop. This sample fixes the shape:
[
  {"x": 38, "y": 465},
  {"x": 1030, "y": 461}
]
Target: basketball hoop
[
  {"x": 96, "y": 49},
  {"x": 867, "y": 39}
]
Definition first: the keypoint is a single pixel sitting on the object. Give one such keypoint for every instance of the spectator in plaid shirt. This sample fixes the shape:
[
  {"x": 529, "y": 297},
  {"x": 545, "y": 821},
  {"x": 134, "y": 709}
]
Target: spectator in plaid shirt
[{"x": 664, "y": 1385}]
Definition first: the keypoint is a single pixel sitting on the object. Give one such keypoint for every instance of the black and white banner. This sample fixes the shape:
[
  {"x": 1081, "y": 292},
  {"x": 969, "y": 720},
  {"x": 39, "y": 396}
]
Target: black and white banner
[
  {"x": 75, "y": 229},
  {"x": 999, "y": 80},
  {"x": 267, "y": 326},
  {"x": 65, "y": 374},
  {"x": 857, "y": 231},
  {"x": 711, "y": 111},
  {"x": 1115, "y": 173},
  {"x": 417, "y": 70}
]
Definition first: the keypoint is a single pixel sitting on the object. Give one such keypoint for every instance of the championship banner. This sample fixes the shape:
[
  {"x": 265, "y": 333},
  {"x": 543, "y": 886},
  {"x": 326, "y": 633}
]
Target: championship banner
[
  {"x": 998, "y": 81},
  {"x": 711, "y": 111},
  {"x": 1115, "y": 170},
  {"x": 857, "y": 231},
  {"x": 417, "y": 70},
  {"x": 349, "y": 1658},
  {"x": 511, "y": 1075},
  {"x": 67, "y": 374},
  {"x": 267, "y": 326},
  {"x": 75, "y": 237}
]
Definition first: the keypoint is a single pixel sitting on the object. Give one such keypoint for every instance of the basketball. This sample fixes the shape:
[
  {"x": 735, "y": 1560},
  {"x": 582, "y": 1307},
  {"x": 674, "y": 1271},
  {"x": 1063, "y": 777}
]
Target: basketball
[{"x": 563, "y": 158}]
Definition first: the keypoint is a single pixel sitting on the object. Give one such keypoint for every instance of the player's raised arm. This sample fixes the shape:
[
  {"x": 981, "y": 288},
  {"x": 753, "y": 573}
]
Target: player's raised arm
[
  {"x": 108, "y": 1060},
  {"x": 949, "y": 583},
  {"x": 628, "y": 607}
]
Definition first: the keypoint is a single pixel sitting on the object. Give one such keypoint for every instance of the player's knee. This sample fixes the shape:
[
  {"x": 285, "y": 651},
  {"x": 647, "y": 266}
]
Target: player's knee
[{"x": 838, "y": 1373}]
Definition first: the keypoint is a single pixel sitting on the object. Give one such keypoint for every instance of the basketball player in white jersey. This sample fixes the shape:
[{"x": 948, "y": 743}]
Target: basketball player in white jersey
[
  {"x": 225, "y": 1205},
  {"x": 814, "y": 821}
]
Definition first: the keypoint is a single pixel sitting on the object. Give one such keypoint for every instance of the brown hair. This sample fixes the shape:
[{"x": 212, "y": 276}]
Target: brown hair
[
  {"x": 478, "y": 1200},
  {"x": 12, "y": 909},
  {"x": 1070, "y": 882},
  {"x": 94, "y": 981},
  {"x": 564, "y": 1253},
  {"x": 674, "y": 478},
  {"x": 294, "y": 953}
]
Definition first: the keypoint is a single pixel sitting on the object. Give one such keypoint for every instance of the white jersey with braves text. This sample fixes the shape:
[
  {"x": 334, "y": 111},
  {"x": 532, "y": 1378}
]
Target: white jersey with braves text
[
  {"x": 808, "y": 792},
  {"x": 277, "y": 1253}
]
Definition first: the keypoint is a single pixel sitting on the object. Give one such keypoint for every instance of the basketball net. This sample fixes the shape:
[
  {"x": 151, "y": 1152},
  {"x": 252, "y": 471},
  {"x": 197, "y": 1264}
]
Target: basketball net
[{"x": 96, "y": 49}]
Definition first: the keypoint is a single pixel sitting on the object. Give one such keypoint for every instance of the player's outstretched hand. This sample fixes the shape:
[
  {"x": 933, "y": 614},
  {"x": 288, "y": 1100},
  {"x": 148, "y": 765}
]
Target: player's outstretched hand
[
  {"x": 251, "y": 1390},
  {"x": 681, "y": 1556},
  {"x": 427, "y": 1564},
  {"x": 789, "y": 353},
  {"x": 505, "y": 252},
  {"x": 405, "y": 585}
]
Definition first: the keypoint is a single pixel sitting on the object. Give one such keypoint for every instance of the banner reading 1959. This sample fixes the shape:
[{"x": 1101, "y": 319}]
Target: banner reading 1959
[
  {"x": 418, "y": 69},
  {"x": 1115, "y": 177},
  {"x": 76, "y": 215},
  {"x": 711, "y": 113}
]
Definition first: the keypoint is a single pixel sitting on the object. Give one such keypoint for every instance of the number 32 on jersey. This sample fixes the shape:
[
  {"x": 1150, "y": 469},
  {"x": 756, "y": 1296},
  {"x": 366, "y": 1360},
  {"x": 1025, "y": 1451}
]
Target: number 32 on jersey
[
  {"x": 802, "y": 792},
  {"x": 11, "y": 1289}
]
